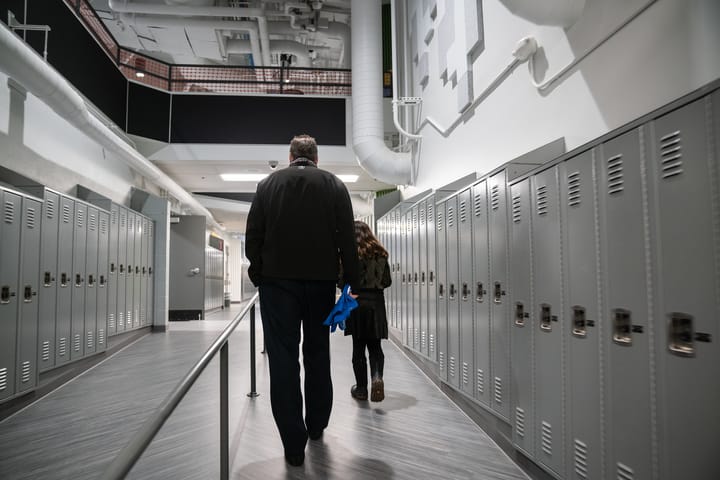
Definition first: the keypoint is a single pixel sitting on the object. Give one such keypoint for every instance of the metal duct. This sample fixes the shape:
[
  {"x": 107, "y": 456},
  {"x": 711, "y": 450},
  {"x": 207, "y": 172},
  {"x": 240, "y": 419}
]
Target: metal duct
[
  {"x": 563, "y": 13},
  {"x": 21, "y": 63},
  {"x": 373, "y": 155},
  {"x": 300, "y": 51},
  {"x": 334, "y": 30}
]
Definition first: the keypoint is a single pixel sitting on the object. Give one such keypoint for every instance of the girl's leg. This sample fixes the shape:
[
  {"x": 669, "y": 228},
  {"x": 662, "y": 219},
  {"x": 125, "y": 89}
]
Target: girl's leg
[
  {"x": 377, "y": 363},
  {"x": 359, "y": 391}
]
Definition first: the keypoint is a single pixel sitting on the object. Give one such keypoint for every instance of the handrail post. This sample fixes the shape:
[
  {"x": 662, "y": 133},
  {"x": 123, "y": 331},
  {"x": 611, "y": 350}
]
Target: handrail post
[
  {"x": 224, "y": 416},
  {"x": 252, "y": 393}
]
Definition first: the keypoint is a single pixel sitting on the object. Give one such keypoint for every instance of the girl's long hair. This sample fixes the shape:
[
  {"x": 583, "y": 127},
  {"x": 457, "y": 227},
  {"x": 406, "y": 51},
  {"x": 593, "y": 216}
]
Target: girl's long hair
[{"x": 368, "y": 244}]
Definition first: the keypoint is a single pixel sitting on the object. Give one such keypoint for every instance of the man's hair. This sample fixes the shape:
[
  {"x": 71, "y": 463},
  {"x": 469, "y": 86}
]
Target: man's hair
[{"x": 304, "y": 146}]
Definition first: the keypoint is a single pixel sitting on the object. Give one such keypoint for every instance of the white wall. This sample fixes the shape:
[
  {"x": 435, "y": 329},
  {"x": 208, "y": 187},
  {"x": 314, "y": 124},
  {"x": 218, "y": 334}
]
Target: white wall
[{"x": 667, "y": 51}]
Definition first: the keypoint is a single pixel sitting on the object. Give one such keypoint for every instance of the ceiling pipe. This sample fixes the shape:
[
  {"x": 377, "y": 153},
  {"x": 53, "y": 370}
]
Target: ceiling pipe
[
  {"x": 24, "y": 65},
  {"x": 334, "y": 30},
  {"x": 298, "y": 50},
  {"x": 373, "y": 155}
]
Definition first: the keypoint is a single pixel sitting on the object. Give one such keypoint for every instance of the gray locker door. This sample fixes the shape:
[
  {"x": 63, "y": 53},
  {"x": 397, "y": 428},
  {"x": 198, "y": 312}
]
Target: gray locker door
[
  {"x": 432, "y": 313},
  {"x": 137, "y": 272},
  {"x": 453, "y": 292},
  {"x": 151, "y": 273},
  {"x": 499, "y": 300},
  {"x": 48, "y": 281},
  {"x": 685, "y": 166},
  {"x": 465, "y": 293},
  {"x": 423, "y": 296},
  {"x": 79, "y": 246},
  {"x": 582, "y": 312},
  {"x": 9, "y": 291},
  {"x": 91, "y": 280},
  {"x": 130, "y": 271},
  {"x": 112, "y": 281},
  {"x": 413, "y": 323},
  {"x": 522, "y": 331},
  {"x": 549, "y": 341},
  {"x": 623, "y": 251},
  {"x": 27, "y": 344},
  {"x": 406, "y": 267},
  {"x": 102, "y": 282},
  {"x": 398, "y": 280},
  {"x": 442, "y": 290},
  {"x": 122, "y": 323},
  {"x": 144, "y": 271},
  {"x": 65, "y": 280},
  {"x": 481, "y": 262}
]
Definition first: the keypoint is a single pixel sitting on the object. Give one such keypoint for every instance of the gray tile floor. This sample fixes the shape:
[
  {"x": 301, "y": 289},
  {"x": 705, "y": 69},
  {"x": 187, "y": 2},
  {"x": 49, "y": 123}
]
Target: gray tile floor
[{"x": 75, "y": 431}]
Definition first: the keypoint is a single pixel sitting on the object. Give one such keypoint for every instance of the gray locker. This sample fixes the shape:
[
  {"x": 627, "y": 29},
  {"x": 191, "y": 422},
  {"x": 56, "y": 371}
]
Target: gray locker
[
  {"x": 113, "y": 273},
  {"x": 522, "y": 332},
  {"x": 102, "y": 281},
  {"x": 549, "y": 341},
  {"x": 137, "y": 272},
  {"x": 48, "y": 281},
  {"x": 582, "y": 315},
  {"x": 442, "y": 293},
  {"x": 151, "y": 273},
  {"x": 453, "y": 296},
  {"x": 91, "y": 280},
  {"x": 628, "y": 395},
  {"x": 65, "y": 280},
  {"x": 465, "y": 296},
  {"x": 10, "y": 294},
  {"x": 499, "y": 300},
  {"x": 405, "y": 293},
  {"x": 27, "y": 340},
  {"x": 398, "y": 281},
  {"x": 481, "y": 282},
  {"x": 422, "y": 315},
  {"x": 79, "y": 246},
  {"x": 413, "y": 320},
  {"x": 130, "y": 271},
  {"x": 432, "y": 294},
  {"x": 144, "y": 271},
  {"x": 122, "y": 323},
  {"x": 684, "y": 165}
]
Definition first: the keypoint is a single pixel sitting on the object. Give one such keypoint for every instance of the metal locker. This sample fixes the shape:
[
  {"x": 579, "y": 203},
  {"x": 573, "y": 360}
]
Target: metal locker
[
  {"x": 102, "y": 281},
  {"x": 582, "y": 316},
  {"x": 453, "y": 292},
  {"x": 522, "y": 332},
  {"x": 629, "y": 438},
  {"x": 409, "y": 311},
  {"x": 499, "y": 300},
  {"x": 422, "y": 314},
  {"x": 442, "y": 293},
  {"x": 684, "y": 165},
  {"x": 465, "y": 295},
  {"x": 122, "y": 323},
  {"x": 549, "y": 341},
  {"x": 413, "y": 322},
  {"x": 397, "y": 281},
  {"x": 432, "y": 294},
  {"x": 48, "y": 281},
  {"x": 130, "y": 271},
  {"x": 151, "y": 274},
  {"x": 479, "y": 292},
  {"x": 10, "y": 294},
  {"x": 137, "y": 273},
  {"x": 78, "y": 280},
  {"x": 91, "y": 280},
  {"x": 113, "y": 267},
  {"x": 144, "y": 271},
  {"x": 406, "y": 266},
  {"x": 65, "y": 280},
  {"x": 27, "y": 339}
]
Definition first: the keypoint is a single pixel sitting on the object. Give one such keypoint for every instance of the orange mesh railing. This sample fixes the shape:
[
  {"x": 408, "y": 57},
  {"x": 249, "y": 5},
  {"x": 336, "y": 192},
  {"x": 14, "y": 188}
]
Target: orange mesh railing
[{"x": 215, "y": 79}]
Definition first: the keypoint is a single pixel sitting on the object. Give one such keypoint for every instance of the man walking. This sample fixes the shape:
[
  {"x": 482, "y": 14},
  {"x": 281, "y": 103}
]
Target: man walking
[{"x": 299, "y": 225}]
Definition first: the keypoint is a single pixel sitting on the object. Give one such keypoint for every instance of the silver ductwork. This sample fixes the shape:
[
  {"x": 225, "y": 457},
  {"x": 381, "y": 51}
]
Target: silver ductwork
[
  {"x": 373, "y": 155},
  {"x": 562, "y": 13},
  {"x": 21, "y": 63}
]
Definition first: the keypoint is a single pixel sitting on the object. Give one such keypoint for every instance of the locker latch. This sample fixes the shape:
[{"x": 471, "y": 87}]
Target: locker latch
[
  {"x": 415, "y": 278},
  {"x": 78, "y": 280},
  {"x": 122, "y": 269},
  {"x": 102, "y": 280},
  {"x": 144, "y": 271},
  {"x": 520, "y": 314},
  {"x": 149, "y": 270},
  {"x": 5, "y": 294},
  {"x": 28, "y": 294},
  {"x": 452, "y": 291},
  {"x": 546, "y": 317},
  {"x": 622, "y": 328},
  {"x": 498, "y": 292},
  {"x": 431, "y": 278},
  {"x": 579, "y": 322},
  {"x": 403, "y": 279},
  {"x": 422, "y": 278},
  {"x": 63, "y": 280},
  {"x": 465, "y": 292},
  {"x": 91, "y": 280},
  {"x": 137, "y": 270},
  {"x": 441, "y": 290},
  {"x": 480, "y": 292},
  {"x": 112, "y": 267},
  {"x": 47, "y": 279}
]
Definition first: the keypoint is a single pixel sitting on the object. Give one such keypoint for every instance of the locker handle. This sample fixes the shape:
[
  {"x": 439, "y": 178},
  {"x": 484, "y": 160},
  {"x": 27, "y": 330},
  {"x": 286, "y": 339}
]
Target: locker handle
[
  {"x": 520, "y": 314},
  {"x": 480, "y": 292},
  {"x": 422, "y": 278},
  {"x": 28, "y": 294},
  {"x": 403, "y": 278},
  {"x": 122, "y": 269},
  {"x": 622, "y": 328},
  {"x": 498, "y": 293},
  {"x": 5, "y": 294},
  {"x": 112, "y": 267},
  {"x": 452, "y": 291},
  {"x": 545, "y": 317},
  {"x": 91, "y": 280},
  {"x": 102, "y": 281},
  {"x": 682, "y": 335},
  {"x": 47, "y": 279},
  {"x": 78, "y": 280},
  {"x": 149, "y": 270},
  {"x": 63, "y": 280},
  {"x": 432, "y": 277},
  {"x": 137, "y": 270},
  {"x": 441, "y": 290},
  {"x": 579, "y": 322},
  {"x": 415, "y": 278},
  {"x": 144, "y": 271},
  {"x": 465, "y": 292}
]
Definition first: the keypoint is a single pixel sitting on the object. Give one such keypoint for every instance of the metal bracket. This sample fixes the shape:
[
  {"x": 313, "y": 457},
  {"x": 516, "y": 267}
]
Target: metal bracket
[
  {"x": 408, "y": 101},
  {"x": 15, "y": 25}
]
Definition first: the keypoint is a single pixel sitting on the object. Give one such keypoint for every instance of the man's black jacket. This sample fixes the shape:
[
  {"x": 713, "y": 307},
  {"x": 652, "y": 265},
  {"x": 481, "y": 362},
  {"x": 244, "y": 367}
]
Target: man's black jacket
[{"x": 300, "y": 221}]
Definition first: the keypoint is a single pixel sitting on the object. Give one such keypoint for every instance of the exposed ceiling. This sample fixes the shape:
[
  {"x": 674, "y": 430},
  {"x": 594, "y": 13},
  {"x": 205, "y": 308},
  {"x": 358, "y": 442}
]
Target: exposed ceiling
[{"x": 310, "y": 34}]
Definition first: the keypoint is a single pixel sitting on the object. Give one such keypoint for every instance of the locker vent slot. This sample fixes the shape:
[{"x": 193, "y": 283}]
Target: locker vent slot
[
  {"x": 516, "y": 209},
  {"x": 9, "y": 211},
  {"x": 101, "y": 336},
  {"x": 495, "y": 197},
  {"x": 574, "y": 189},
  {"x": 481, "y": 381},
  {"x": 111, "y": 320},
  {"x": 671, "y": 152},
  {"x": 432, "y": 343},
  {"x": 546, "y": 438},
  {"x": 415, "y": 220},
  {"x": 121, "y": 319},
  {"x": 477, "y": 204},
  {"x": 422, "y": 216},
  {"x": 131, "y": 224},
  {"x": 25, "y": 372},
  {"x": 103, "y": 226},
  {"x": 92, "y": 222},
  {"x": 520, "y": 421},
  {"x": 624, "y": 472},
  {"x": 3, "y": 379},
  {"x": 615, "y": 175},
  {"x": 66, "y": 213},
  {"x": 46, "y": 351},
  {"x": 580, "y": 457},
  {"x": 450, "y": 216},
  {"x": 76, "y": 343},
  {"x": 62, "y": 347},
  {"x": 50, "y": 208},
  {"x": 452, "y": 367},
  {"x": 541, "y": 198},
  {"x": 440, "y": 221},
  {"x": 90, "y": 340},
  {"x": 122, "y": 221},
  {"x": 463, "y": 212},
  {"x": 430, "y": 213},
  {"x": 441, "y": 360},
  {"x": 465, "y": 374},
  {"x": 113, "y": 217},
  {"x": 80, "y": 218},
  {"x": 423, "y": 340},
  {"x": 30, "y": 218},
  {"x": 498, "y": 390}
]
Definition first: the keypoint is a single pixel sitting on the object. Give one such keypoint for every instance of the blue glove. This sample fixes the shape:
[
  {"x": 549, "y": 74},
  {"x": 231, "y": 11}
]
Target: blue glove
[{"x": 341, "y": 310}]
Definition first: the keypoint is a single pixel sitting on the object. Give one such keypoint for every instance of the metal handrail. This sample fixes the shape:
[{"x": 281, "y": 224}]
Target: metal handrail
[{"x": 132, "y": 451}]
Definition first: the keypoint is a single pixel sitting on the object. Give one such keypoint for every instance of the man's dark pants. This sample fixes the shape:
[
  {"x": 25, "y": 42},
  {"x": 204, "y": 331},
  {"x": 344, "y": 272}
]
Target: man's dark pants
[{"x": 285, "y": 305}]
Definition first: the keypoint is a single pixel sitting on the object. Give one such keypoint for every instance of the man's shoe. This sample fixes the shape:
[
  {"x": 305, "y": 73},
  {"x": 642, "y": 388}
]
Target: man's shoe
[
  {"x": 315, "y": 434},
  {"x": 359, "y": 393},
  {"x": 377, "y": 393},
  {"x": 295, "y": 460}
]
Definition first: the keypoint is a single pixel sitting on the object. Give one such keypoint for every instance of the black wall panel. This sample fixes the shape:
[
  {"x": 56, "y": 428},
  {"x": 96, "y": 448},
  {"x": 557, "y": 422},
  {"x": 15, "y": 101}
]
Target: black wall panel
[
  {"x": 256, "y": 120},
  {"x": 148, "y": 112}
]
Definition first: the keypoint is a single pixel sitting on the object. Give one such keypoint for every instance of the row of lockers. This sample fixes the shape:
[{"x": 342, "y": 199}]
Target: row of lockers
[
  {"x": 580, "y": 303},
  {"x": 214, "y": 278}
]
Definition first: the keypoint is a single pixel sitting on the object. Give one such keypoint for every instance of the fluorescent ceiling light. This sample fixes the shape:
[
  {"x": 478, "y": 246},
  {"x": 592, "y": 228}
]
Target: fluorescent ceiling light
[
  {"x": 243, "y": 177},
  {"x": 139, "y": 74},
  {"x": 348, "y": 178}
]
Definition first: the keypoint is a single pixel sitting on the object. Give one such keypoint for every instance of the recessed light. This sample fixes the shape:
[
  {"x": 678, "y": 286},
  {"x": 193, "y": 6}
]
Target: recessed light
[
  {"x": 243, "y": 177},
  {"x": 348, "y": 178},
  {"x": 139, "y": 74}
]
